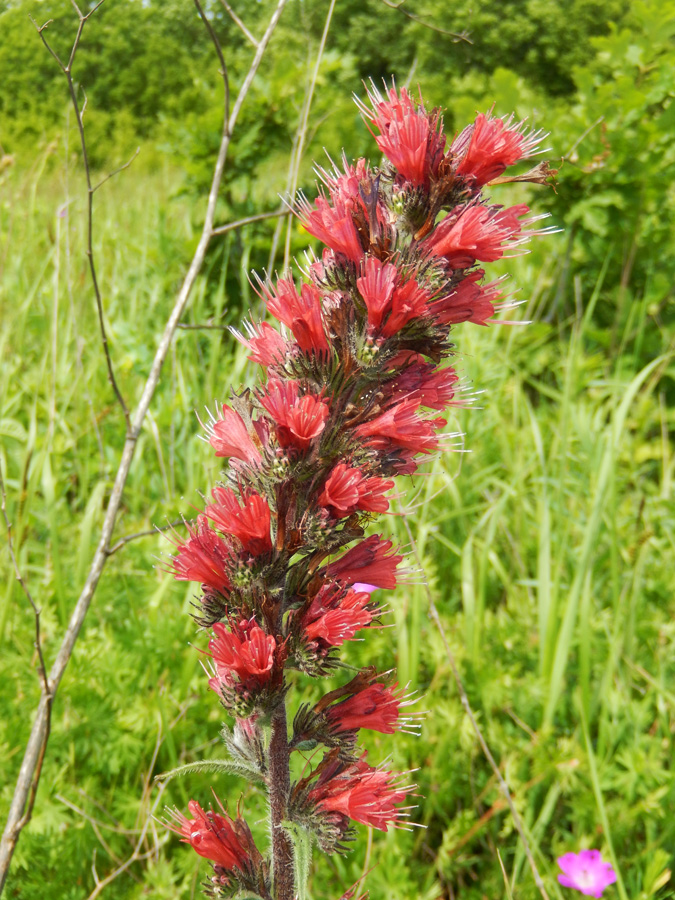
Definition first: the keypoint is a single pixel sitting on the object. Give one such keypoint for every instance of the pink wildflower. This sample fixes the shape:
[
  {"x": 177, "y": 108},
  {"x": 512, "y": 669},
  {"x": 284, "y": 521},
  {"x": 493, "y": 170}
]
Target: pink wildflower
[{"x": 586, "y": 872}]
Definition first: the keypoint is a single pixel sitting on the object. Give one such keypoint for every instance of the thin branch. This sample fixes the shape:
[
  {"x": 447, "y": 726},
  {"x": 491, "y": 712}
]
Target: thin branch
[
  {"x": 260, "y": 217},
  {"x": 238, "y": 22},
  {"x": 456, "y": 36},
  {"x": 116, "y": 171},
  {"x": 29, "y": 772},
  {"x": 139, "y": 534},
  {"x": 219, "y": 53},
  {"x": 517, "y": 821},
  {"x": 67, "y": 71}
]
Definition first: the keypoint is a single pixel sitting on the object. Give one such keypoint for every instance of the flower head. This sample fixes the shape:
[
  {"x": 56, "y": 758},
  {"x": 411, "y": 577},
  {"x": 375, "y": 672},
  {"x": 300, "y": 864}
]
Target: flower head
[
  {"x": 247, "y": 518},
  {"x": 376, "y": 707},
  {"x": 215, "y": 836},
  {"x": 586, "y": 872},
  {"x": 245, "y": 651}
]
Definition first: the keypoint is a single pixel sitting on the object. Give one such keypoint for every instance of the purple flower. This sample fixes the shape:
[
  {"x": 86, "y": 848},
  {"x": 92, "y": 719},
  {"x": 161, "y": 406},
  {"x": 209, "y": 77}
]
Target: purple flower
[
  {"x": 365, "y": 588},
  {"x": 586, "y": 872}
]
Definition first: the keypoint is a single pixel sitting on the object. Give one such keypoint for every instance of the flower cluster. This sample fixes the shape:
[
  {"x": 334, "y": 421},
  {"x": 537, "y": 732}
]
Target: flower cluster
[{"x": 355, "y": 379}]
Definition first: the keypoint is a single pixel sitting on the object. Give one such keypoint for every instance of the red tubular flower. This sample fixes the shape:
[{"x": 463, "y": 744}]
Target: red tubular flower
[
  {"x": 213, "y": 835},
  {"x": 347, "y": 489},
  {"x": 426, "y": 385},
  {"x": 493, "y": 146},
  {"x": 229, "y": 436},
  {"x": 369, "y": 561},
  {"x": 334, "y": 618},
  {"x": 249, "y": 523},
  {"x": 299, "y": 419},
  {"x": 204, "y": 558},
  {"x": 478, "y": 233},
  {"x": 333, "y": 225},
  {"x": 302, "y": 313},
  {"x": 364, "y": 794},
  {"x": 400, "y": 426},
  {"x": 267, "y": 346},
  {"x": 469, "y": 302},
  {"x": 411, "y": 138},
  {"x": 387, "y": 300},
  {"x": 249, "y": 654},
  {"x": 376, "y": 707}
]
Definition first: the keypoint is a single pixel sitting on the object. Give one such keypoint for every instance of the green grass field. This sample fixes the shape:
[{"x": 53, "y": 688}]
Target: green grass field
[{"x": 548, "y": 544}]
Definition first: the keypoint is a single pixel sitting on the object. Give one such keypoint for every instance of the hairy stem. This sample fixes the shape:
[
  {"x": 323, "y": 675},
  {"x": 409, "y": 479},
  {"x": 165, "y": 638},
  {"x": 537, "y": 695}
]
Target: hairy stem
[{"x": 280, "y": 785}]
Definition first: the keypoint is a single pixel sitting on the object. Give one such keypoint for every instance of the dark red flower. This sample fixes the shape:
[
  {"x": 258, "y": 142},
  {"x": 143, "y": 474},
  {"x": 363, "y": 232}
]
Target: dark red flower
[
  {"x": 376, "y": 707},
  {"x": 370, "y": 562},
  {"x": 391, "y": 304},
  {"x": 468, "y": 302},
  {"x": 247, "y": 519},
  {"x": 245, "y": 651},
  {"x": 362, "y": 793},
  {"x": 299, "y": 419},
  {"x": 334, "y": 617},
  {"x": 401, "y": 426},
  {"x": 348, "y": 489},
  {"x": 426, "y": 384},
  {"x": 479, "y": 232},
  {"x": 215, "y": 836},
  {"x": 204, "y": 558}
]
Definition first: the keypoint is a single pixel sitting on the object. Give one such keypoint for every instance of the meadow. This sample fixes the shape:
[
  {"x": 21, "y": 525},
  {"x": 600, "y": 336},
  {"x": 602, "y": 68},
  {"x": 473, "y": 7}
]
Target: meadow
[{"x": 546, "y": 540}]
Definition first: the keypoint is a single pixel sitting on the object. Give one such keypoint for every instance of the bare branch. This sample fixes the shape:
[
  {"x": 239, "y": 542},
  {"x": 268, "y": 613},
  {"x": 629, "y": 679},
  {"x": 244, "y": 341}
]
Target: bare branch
[
  {"x": 116, "y": 171},
  {"x": 67, "y": 71},
  {"x": 235, "y": 18},
  {"x": 231, "y": 226},
  {"x": 139, "y": 534},
  {"x": 219, "y": 53},
  {"x": 457, "y": 37},
  {"x": 517, "y": 821},
  {"x": 32, "y": 761}
]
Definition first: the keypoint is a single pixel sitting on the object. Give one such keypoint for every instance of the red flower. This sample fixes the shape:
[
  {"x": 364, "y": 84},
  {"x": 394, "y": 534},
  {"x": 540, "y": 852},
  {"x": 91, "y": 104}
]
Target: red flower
[
  {"x": 362, "y": 793},
  {"x": 410, "y": 137},
  {"x": 376, "y": 286},
  {"x": 302, "y": 314},
  {"x": 426, "y": 385},
  {"x": 376, "y": 707},
  {"x": 204, "y": 558},
  {"x": 249, "y": 654},
  {"x": 401, "y": 426},
  {"x": 333, "y": 225},
  {"x": 267, "y": 346},
  {"x": 347, "y": 489},
  {"x": 478, "y": 233},
  {"x": 492, "y": 147},
  {"x": 249, "y": 523},
  {"x": 469, "y": 302},
  {"x": 224, "y": 841},
  {"x": 229, "y": 436},
  {"x": 299, "y": 419},
  {"x": 334, "y": 618},
  {"x": 369, "y": 561}
]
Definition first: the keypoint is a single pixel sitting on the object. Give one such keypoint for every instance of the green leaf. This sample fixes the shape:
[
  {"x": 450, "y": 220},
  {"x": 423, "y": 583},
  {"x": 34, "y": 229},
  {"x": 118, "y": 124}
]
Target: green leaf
[{"x": 212, "y": 765}]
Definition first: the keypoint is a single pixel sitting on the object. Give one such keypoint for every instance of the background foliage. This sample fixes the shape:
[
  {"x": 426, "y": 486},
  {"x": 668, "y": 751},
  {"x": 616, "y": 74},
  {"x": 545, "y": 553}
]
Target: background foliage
[{"x": 549, "y": 546}]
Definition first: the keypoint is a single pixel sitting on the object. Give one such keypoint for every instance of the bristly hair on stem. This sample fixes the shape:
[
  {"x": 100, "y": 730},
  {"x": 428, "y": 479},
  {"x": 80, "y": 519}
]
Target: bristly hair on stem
[{"x": 355, "y": 377}]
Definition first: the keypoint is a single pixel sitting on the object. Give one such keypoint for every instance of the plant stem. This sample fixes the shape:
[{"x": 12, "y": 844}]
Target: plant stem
[{"x": 280, "y": 785}]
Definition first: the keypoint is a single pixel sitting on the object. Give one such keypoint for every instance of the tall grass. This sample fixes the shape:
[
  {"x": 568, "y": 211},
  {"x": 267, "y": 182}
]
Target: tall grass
[{"x": 548, "y": 544}]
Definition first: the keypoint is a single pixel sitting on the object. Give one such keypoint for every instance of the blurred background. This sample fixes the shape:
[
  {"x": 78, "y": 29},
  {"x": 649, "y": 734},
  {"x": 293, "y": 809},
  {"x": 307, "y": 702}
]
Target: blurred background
[{"x": 547, "y": 545}]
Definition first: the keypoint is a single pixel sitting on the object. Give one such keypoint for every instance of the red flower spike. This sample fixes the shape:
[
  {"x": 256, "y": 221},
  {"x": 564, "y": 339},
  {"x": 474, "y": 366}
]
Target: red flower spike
[
  {"x": 229, "y": 436},
  {"x": 370, "y": 562},
  {"x": 204, "y": 558},
  {"x": 363, "y": 794},
  {"x": 249, "y": 523},
  {"x": 480, "y": 232},
  {"x": 299, "y": 419},
  {"x": 213, "y": 835},
  {"x": 248, "y": 654}
]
